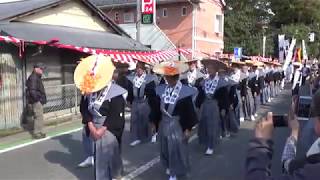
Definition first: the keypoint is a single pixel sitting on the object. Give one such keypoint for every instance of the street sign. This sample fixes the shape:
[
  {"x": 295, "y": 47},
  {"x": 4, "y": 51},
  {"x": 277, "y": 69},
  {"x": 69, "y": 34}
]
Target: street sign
[
  {"x": 148, "y": 11},
  {"x": 237, "y": 53},
  {"x": 311, "y": 37},
  {"x": 147, "y": 19},
  {"x": 148, "y": 6}
]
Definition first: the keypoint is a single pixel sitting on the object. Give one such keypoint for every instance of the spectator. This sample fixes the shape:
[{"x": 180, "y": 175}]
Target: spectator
[
  {"x": 258, "y": 162},
  {"x": 305, "y": 73},
  {"x": 289, "y": 72},
  {"x": 36, "y": 98},
  {"x": 1, "y": 81},
  {"x": 316, "y": 83}
]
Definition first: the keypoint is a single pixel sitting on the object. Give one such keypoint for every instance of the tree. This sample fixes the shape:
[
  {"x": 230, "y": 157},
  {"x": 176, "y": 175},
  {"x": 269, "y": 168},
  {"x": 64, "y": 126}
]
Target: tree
[
  {"x": 246, "y": 21},
  {"x": 244, "y": 26},
  {"x": 297, "y": 18}
]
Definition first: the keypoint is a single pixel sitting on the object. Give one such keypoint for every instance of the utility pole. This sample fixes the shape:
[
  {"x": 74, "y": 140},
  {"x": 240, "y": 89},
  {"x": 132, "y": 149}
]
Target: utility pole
[{"x": 138, "y": 23}]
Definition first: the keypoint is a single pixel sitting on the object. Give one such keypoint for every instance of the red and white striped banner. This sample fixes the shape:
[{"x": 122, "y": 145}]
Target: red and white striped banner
[{"x": 117, "y": 56}]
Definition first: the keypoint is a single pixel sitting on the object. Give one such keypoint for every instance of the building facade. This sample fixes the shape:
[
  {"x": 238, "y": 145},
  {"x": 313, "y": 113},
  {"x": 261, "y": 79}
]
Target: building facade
[
  {"x": 196, "y": 25},
  {"x": 71, "y": 22}
]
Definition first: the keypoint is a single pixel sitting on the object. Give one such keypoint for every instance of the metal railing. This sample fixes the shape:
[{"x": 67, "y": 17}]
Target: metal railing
[{"x": 61, "y": 100}]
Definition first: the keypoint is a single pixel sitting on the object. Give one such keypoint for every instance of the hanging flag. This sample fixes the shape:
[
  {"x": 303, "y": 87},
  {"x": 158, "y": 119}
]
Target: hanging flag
[
  {"x": 304, "y": 51},
  {"x": 287, "y": 46},
  {"x": 281, "y": 47},
  {"x": 298, "y": 55},
  {"x": 264, "y": 46},
  {"x": 289, "y": 55}
]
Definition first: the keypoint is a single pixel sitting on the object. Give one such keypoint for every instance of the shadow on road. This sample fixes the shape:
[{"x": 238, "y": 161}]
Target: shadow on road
[{"x": 70, "y": 159}]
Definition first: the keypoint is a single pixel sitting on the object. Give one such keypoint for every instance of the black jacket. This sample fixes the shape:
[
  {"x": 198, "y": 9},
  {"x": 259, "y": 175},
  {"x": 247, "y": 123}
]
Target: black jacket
[
  {"x": 258, "y": 164},
  {"x": 114, "y": 112},
  {"x": 35, "y": 89}
]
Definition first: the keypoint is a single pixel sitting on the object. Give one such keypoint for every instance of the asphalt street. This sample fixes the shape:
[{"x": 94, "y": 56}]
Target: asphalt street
[{"x": 57, "y": 158}]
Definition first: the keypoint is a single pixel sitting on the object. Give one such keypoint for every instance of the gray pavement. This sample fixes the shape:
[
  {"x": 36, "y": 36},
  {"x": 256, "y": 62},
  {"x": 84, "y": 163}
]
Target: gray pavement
[{"x": 57, "y": 158}]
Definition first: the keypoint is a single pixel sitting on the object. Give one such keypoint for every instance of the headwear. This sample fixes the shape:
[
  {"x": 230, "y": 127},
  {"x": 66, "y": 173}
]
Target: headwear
[
  {"x": 276, "y": 63},
  {"x": 225, "y": 59},
  {"x": 258, "y": 64},
  {"x": 249, "y": 62},
  {"x": 238, "y": 62},
  {"x": 170, "y": 68},
  {"x": 315, "y": 104},
  {"x": 93, "y": 73},
  {"x": 190, "y": 60},
  {"x": 268, "y": 62},
  {"x": 218, "y": 63},
  {"x": 254, "y": 63},
  {"x": 296, "y": 64},
  {"x": 40, "y": 65},
  {"x": 143, "y": 61},
  {"x": 121, "y": 65}
]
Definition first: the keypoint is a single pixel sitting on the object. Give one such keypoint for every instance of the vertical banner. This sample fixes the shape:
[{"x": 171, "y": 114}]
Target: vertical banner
[
  {"x": 304, "y": 51},
  {"x": 237, "y": 52},
  {"x": 264, "y": 46},
  {"x": 287, "y": 45},
  {"x": 281, "y": 47},
  {"x": 290, "y": 54},
  {"x": 298, "y": 55},
  {"x": 148, "y": 9}
]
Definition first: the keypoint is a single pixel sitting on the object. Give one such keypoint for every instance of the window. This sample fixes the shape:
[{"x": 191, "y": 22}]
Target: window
[
  {"x": 116, "y": 16},
  {"x": 128, "y": 17},
  {"x": 184, "y": 11},
  {"x": 218, "y": 26},
  {"x": 164, "y": 12}
]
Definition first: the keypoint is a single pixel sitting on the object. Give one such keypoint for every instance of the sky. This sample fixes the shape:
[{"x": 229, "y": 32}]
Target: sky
[{"x": 6, "y": 1}]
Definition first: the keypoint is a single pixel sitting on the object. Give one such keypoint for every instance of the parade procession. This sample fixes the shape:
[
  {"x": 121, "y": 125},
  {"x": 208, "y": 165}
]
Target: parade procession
[
  {"x": 169, "y": 101},
  {"x": 159, "y": 90}
]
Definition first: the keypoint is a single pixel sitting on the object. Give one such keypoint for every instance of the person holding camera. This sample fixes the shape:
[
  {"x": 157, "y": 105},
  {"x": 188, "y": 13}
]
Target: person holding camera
[{"x": 258, "y": 162}]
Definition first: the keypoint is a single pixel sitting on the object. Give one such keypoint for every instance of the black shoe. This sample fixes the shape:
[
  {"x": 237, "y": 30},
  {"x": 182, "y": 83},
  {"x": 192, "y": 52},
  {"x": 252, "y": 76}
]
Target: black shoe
[
  {"x": 38, "y": 136},
  {"x": 43, "y": 135}
]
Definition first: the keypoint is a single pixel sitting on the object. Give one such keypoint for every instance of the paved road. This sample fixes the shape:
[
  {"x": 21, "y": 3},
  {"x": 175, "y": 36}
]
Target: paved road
[{"x": 57, "y": 158}]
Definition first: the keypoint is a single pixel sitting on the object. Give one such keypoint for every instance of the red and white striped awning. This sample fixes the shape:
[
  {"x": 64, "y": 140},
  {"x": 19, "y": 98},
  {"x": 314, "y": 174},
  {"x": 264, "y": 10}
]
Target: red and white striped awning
[{"x": 118, "y": 56}]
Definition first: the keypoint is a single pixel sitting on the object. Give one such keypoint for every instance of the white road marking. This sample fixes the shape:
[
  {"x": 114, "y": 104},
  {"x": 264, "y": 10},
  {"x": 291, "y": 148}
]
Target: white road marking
[
  {"x": 140, "y": 170},
  {"x": 44, "y": 139},
  {"x": 37, "y": 141}
]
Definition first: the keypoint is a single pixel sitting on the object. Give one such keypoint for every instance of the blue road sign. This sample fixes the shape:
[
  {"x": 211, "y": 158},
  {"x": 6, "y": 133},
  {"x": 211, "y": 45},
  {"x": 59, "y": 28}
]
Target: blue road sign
[{"x": 237, "y": 53}]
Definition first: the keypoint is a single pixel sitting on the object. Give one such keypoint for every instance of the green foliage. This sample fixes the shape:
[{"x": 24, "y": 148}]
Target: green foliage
[
  {"x": 244, "y": 24},
  {"x": 244, "y": 27}
]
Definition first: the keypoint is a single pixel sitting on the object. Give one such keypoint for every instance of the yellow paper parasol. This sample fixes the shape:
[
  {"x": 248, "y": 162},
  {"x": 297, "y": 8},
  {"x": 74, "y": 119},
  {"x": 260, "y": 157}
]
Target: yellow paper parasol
[{"x": 93, "y": 73}]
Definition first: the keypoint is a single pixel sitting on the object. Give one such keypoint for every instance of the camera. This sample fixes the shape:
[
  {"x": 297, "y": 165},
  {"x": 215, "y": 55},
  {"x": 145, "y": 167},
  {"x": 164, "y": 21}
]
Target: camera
[
  {"x": 280, "y": 120},
  {"x": 304, "y": 108}
]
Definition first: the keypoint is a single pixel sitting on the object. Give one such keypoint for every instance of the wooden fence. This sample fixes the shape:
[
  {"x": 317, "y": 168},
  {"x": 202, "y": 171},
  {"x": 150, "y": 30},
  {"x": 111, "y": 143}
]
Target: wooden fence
[{"x": 11, "y": 91}]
